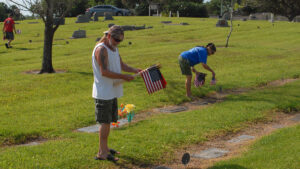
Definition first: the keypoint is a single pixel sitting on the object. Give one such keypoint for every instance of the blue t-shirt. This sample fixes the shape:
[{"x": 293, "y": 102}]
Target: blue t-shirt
[{"x": 195, "y": 55}]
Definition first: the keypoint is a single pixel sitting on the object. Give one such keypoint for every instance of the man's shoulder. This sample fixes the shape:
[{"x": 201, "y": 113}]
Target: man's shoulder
[
  {"x": 101, "y": 49},
  {"x": 9, "y": 19},
  {"x": 12, "y": 20}
]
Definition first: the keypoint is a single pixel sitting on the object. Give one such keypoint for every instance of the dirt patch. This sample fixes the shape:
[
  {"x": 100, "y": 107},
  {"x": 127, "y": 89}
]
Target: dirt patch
[
  {"x": 279, "y": 120},
  {"x": 38, "y": 71},
  {"x": 281, "y": 82},
  {"x": 29, "y": 141}
]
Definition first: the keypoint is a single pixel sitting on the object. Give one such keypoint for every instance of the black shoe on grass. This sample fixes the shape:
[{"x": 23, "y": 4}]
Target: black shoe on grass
[{"x": 6, "y": 45}]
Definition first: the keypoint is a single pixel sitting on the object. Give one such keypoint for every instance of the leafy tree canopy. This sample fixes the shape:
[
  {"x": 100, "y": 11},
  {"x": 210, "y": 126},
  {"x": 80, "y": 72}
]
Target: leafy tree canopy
[{"x": 288, "y": 8}]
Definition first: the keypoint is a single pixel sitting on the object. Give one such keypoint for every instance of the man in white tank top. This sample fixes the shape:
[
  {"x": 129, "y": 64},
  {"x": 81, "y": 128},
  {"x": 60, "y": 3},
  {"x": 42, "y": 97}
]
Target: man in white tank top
[{"x": 107, "y": 66}]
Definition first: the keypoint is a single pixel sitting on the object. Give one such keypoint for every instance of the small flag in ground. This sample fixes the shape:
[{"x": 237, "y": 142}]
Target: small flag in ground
[{"x": 153, "y": 79}]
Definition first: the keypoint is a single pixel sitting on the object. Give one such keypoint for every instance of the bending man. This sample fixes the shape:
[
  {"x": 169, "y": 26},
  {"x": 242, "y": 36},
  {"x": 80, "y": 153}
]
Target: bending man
[{"x": 192, "y": 57}]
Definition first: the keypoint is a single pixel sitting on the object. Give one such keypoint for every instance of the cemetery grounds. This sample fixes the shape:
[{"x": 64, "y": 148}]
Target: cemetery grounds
[{"x": 48, "y": 108}]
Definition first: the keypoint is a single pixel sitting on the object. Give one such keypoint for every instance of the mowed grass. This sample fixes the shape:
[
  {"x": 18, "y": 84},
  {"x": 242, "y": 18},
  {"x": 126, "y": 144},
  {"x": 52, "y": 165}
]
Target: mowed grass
[
  {"x": 53, "y": 105},
  {"x": 277, "y": 151},
  {"x": 155, "y": 139}
]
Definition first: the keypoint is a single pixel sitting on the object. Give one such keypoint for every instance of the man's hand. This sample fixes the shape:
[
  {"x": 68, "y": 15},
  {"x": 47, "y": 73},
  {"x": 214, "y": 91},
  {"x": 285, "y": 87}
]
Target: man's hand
[
  {"x": 128, "y": 77},
  {"x": 213, "y": 81},
  {"x": 137, "y": 70}
]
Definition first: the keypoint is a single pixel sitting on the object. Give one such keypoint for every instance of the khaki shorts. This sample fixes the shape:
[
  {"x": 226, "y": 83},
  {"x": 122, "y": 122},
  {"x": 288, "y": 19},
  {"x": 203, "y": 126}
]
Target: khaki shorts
[
  {"x": 106, "y": 111},
  {"x": 184, "y": 66}
]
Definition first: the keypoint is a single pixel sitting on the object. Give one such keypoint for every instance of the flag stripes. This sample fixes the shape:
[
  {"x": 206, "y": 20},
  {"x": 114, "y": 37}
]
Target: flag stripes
[{"x": 152, "y": 86}]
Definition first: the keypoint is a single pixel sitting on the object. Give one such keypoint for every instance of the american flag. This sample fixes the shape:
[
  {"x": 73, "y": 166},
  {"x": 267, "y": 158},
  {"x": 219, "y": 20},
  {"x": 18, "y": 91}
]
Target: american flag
[{"x": 153, "y": 79}]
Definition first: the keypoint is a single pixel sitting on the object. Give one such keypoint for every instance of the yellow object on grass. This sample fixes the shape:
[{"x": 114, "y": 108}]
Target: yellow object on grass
[{"x": 129, "y": 107}]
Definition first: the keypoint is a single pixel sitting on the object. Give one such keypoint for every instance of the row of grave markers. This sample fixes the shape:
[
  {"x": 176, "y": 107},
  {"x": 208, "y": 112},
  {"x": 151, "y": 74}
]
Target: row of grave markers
[{"x": 86, "y": 18}]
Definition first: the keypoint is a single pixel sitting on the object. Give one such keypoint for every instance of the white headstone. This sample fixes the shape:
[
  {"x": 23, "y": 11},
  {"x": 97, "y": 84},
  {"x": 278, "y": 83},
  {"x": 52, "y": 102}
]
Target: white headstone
[{"x": 272, "y": 18}]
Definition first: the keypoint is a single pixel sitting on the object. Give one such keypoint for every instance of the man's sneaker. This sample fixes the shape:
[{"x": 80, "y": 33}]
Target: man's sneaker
[{"x": 6, "y": 45}]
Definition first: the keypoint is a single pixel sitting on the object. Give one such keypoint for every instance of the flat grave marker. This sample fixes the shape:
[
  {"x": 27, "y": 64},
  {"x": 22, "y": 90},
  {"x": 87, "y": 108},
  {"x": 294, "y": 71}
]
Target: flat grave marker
[
  {"x": 161, "y": 167},
  {"x": 296, "y": 118},
  {"x": 173, "y": 109},
  {"x": 211, "y": 153},
  {"x": 95, "y": 128},
  {"x": 241, "y": 138},
  {"x": 199, "y": 103}
]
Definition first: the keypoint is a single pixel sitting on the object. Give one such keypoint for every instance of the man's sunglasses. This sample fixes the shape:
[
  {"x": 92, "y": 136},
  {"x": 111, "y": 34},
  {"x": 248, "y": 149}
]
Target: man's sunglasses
[{"x": 117, "y": 40}]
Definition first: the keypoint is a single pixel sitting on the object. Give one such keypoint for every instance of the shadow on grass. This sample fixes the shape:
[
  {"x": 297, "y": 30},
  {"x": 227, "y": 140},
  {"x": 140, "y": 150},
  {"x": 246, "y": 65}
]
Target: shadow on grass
[
  {"x": 129, "y": 162},
  {"x": 85, "y": 73},
  {"x": 21, "y": 59},
  {"x": 18, "y": 48},
  {"x": 228, "y": 166}
]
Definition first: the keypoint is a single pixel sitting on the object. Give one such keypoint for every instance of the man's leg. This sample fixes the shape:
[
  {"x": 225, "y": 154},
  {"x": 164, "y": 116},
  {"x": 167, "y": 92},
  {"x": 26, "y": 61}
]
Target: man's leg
[
  {"x": 6, "y": 37},
  {"x": 104, "y": 130},
  {"x": 188, "y": 84},
  {"x": 105, "y": 109},
  {"x": 8, "y": 43},
  {"x": 10, "y": 38}
]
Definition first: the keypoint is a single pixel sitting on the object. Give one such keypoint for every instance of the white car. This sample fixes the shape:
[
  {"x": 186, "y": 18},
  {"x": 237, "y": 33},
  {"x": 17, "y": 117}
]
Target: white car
[{"x": 101, "y": 9}]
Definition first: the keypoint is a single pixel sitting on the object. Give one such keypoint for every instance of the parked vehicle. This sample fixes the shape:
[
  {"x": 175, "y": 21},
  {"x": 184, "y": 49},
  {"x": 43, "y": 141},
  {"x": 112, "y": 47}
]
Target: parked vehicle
[{"x": 101, "y": 9}]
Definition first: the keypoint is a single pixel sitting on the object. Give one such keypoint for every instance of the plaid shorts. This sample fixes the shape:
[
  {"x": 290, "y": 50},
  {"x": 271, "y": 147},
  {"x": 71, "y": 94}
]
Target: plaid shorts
[
  {"x": 9, "y": 35},
  {"x": 106, "y": 111},
  {"x": 184, "y": 66}
]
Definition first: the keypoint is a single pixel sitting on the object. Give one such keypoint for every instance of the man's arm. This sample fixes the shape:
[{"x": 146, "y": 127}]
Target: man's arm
[
  {"x": 3, "y": 26},
  {"x": 102, "y": 59},
  {"x": 14, "y": 28},
  {"x": 209, "y": 69},
  {"x": 127, "y": 68},
  {"x": 194, "y": 70}
]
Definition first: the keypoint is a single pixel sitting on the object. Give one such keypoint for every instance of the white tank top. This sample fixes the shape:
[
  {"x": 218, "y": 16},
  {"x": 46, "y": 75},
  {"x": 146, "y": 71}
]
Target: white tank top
[{"x": 103, "y": 87}]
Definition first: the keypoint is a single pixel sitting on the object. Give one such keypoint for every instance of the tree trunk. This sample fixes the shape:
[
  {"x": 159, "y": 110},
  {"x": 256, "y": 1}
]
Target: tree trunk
[
  {"x": 48, "y": 39},
  {"x": 47, "y": 54},
  {"x": 231, "y": 26}
]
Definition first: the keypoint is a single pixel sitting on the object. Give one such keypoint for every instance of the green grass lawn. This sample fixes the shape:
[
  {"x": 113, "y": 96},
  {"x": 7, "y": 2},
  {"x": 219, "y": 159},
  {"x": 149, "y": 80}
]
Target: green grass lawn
[
  {"x": 151, "y": 140},
  {"x": 53, "y": 105}
]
